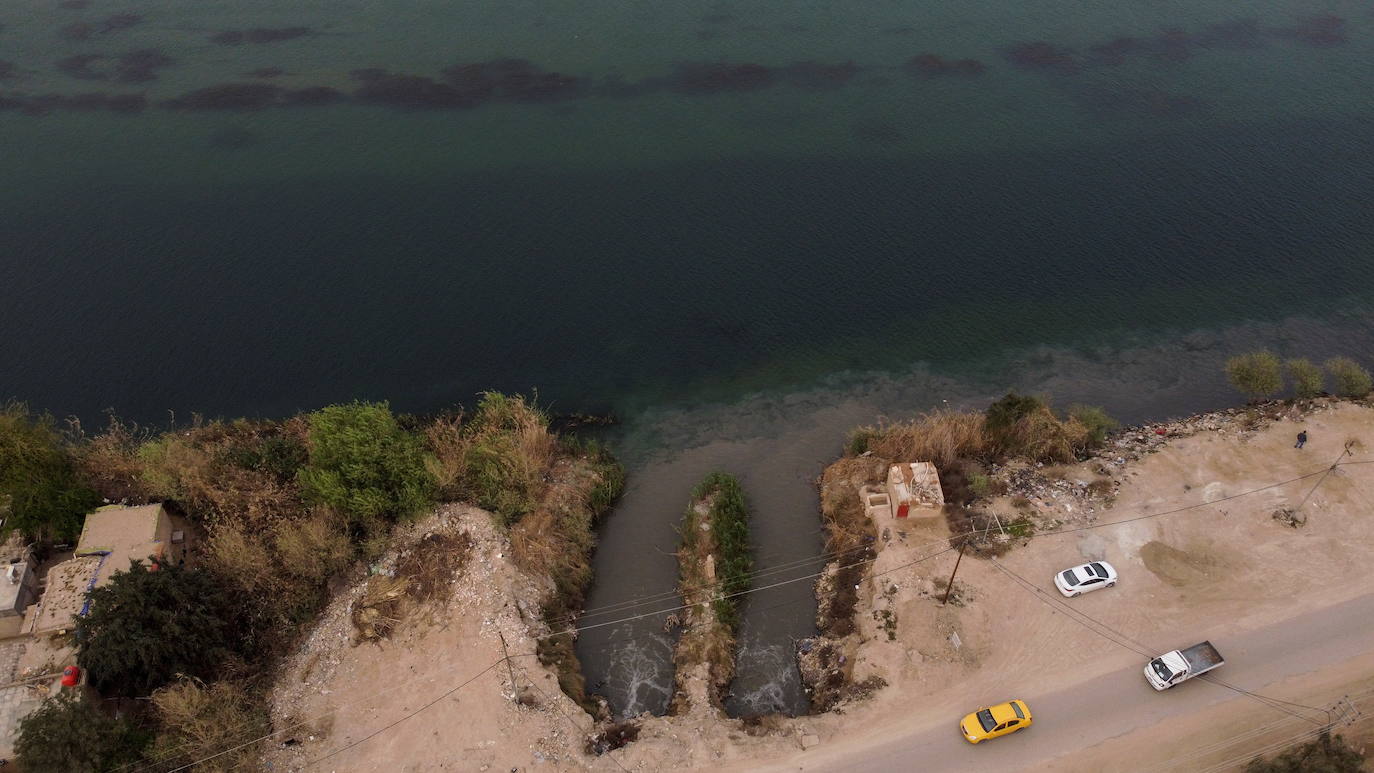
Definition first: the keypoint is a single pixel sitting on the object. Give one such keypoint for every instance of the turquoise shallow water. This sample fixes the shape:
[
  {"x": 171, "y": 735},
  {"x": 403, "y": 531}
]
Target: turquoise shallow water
[{"x": 672, "y": 207}]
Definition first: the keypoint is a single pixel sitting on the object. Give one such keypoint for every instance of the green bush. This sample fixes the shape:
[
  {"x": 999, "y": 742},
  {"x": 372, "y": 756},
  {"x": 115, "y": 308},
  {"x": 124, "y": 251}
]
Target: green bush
[
  {"x": 1096, "y": 420},
  {"x": 1004, "y": 414},
  {"x": 364, "y": 465},
  {"x": 146, "y": 627},
  {"x": 730, "y": 525},
  {"x": 1256, "y": 375},
  {"x": 1327, "y": 754},
  {"x": 980, "y": 485},
  {"x": 859, "y": 440},
  {"x": 1350, "y": 379},
  {"x": 497, "y": 478},
  {"x": 1308, "y": 379},
  {"x": 40, "y": 495},
  {"x": 68, "y": 734}
]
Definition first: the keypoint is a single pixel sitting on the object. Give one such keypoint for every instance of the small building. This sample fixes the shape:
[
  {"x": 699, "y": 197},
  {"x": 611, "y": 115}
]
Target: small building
[
  {"x": 112, "y": 539},
  {"x": 913, "y": 490},
  {"x": 18, "y": 583}
]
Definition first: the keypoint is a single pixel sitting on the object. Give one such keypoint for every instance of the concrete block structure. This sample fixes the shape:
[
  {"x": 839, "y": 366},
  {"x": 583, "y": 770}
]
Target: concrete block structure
[{"x": 913, "y": 490}]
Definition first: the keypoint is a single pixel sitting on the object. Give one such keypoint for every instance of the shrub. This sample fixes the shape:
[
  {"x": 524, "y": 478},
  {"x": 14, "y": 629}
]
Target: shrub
[
  {"x": 1327, "y": 754},
  {"x": 729, "y": 516},
  {"x": 146, "y": 627},
  {"x": 1256, "y": 375},
  {"x": 1350, "y": 379},
  {"x": 447, "y": 443},
  {"x": 1025, "y": 426},
  {"x": 859, "y": 440},
  {"x": 312, "y": 548},
  {"x": 199, "y": 721},
  {"x": 70, "y": 734},
  {"x": 1095, "y": 420},
  {"x": 980, "y": 485},
  {"x": 499, "y": 478},
  {"x": 1003, "y": 415},
  {"x": 511, "y": 449},
  {"x": 364, "y": 465},
  {"x": 1308, "y": 379},
  {"x": 40, "y": 494},
  {"x": 109, "y": 463}
]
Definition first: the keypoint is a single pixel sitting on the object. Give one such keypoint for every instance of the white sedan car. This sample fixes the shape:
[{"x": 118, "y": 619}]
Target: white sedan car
[{"x": 1088, "y": 577}]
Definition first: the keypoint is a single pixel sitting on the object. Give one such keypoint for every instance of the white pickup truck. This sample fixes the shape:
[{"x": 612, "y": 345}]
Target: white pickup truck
[{"x": 1171, "y": 668}]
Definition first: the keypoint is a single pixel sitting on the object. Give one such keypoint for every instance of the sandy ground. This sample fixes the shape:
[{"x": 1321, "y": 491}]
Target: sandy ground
[{"x": 1228, "y": 572}]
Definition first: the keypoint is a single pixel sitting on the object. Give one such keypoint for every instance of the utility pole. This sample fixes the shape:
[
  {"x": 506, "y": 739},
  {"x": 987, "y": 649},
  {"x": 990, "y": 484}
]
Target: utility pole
[
  {"x": 514, "y": 688},
  {"x": 950, "y": 588}
]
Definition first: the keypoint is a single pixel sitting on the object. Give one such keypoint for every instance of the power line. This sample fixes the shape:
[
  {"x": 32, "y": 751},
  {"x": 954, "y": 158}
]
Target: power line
[
  {"x": 946, "y": 541},
  {"x": 1117, "y": 637},
  {"x": 387, "y": 727}
]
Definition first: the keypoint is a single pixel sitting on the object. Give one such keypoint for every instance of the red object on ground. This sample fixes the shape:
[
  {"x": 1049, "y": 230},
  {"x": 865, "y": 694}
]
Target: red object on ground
[
  {"x": 70, "y": 676},
  {"x": 1160, "y": 431}
]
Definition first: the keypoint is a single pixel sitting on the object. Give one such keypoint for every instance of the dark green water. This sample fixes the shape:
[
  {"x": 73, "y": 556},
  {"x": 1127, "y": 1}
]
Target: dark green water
[{"x": 707, "y": 202}]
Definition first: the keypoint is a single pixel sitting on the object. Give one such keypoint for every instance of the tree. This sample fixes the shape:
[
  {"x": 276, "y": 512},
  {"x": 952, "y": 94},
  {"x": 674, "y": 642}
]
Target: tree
[
  {"x": 364, "y": 465},
  {"x": 38, "y": 485},
  {"x": 1351, "y": 379},
  {"x": 147, "y": 626},
  {"x": 1308, "y": 379},
  {"x": 1256, "y": 375},
  {"x": 68, "y": 734},
  {"x": 1327, "y": 754}
]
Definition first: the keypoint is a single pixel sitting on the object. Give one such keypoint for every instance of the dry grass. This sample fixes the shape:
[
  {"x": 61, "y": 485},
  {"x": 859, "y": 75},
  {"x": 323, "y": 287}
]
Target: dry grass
[
  {"x": 379, "y": 610},
  {"x": 199, "y": 721},
  {"x": 941, "y": 437},
  {"x": 849, "y": 535},
  {"x": 1040, "y": 436},
  {"x": 556, "y": 541},
  {"x": 447, "y": 443},
  {"x": 312, "y": 548},
  {"x": 109, "y": 462},
  {"x": 433, "y": 563},
  {"x": 508, "y": 451}
]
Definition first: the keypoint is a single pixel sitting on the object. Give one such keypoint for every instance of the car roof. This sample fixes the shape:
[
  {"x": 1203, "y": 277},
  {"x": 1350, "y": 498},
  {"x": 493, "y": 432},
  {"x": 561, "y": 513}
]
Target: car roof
[{"x": 1003, "y": 712}]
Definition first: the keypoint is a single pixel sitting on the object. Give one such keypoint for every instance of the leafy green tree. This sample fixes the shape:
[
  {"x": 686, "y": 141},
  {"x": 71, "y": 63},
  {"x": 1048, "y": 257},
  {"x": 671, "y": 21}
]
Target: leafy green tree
[
  {"x": 1308, "y": 379},
  {"x": 147, "y": 626},
  {"x": 68, "y": 734},
  {"x": 1096, "y": 420},
  {"x": 1327, "y": 754},
  {"x": 1351, "y": 379},
  {"x": 1256, "y": 375},
  {"x": 39, "y": 493},
  {"x": 364, "y": 465}
]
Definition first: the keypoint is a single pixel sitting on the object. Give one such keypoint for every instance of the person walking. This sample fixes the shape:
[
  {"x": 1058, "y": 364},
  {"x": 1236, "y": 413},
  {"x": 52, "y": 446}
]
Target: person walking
[{"x": 1302, "y": 439}]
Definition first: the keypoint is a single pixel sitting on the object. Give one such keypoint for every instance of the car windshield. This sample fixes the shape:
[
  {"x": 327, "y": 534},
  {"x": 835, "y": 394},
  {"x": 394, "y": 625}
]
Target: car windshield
[
  {"x": 1017, "y": 708},
  {"x": 1099, "y": 570},
  {"x": 1161, "y": 669},
  {"x": 1070, "y": 578},
  {"x": 985, "y": 719}
]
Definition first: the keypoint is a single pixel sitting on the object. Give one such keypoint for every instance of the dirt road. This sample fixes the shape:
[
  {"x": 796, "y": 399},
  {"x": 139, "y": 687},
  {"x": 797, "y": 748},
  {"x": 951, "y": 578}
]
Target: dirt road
[{"x": 1121, "y": 702}]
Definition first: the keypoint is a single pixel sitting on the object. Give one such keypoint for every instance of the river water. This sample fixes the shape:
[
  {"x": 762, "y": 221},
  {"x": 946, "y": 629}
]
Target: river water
[{"x": 742, "y": 226}]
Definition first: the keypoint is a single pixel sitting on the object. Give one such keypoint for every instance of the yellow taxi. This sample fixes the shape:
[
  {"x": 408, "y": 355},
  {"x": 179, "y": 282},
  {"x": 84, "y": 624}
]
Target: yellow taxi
[{"x": 995, "y": 721}]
